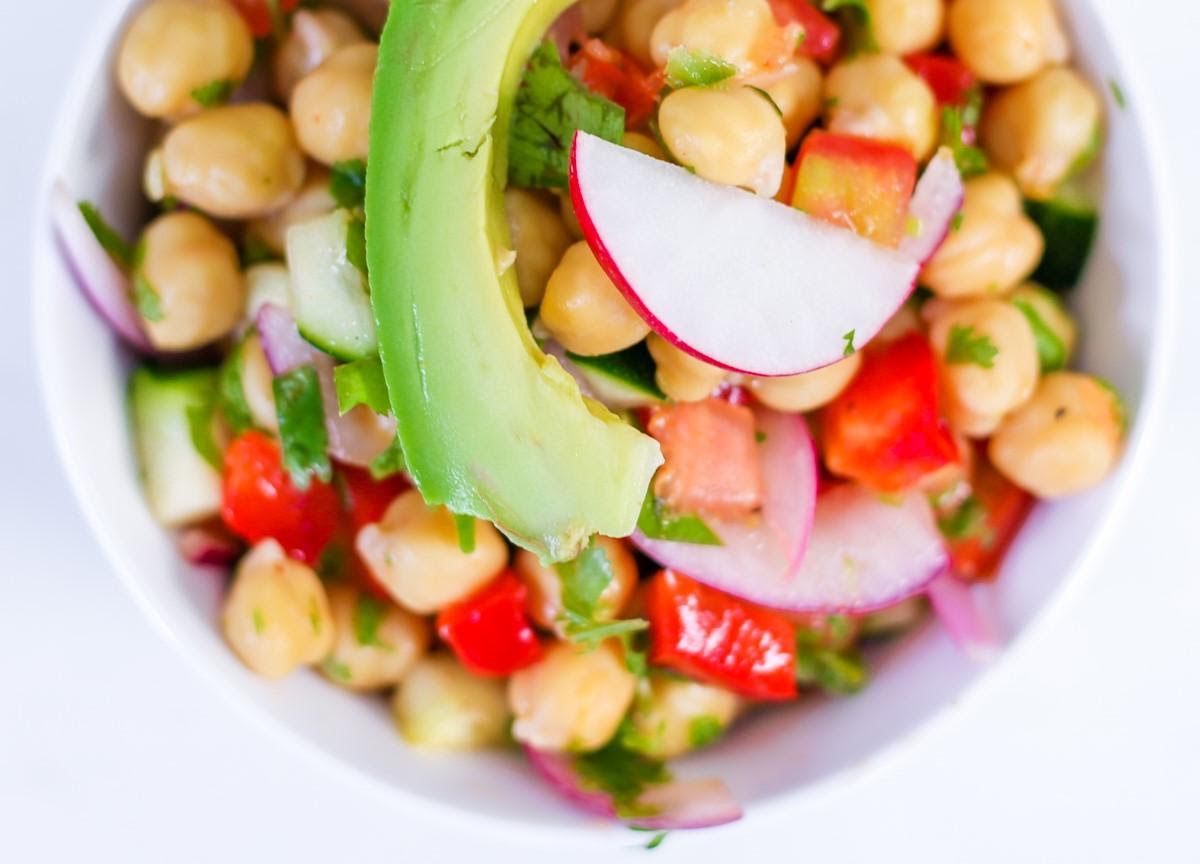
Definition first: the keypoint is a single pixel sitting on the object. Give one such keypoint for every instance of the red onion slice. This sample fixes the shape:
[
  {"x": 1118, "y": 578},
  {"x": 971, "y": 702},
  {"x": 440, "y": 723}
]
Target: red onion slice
[
  {"x": 207, "y": 546},
  {"x": 972, "y": 630},
  {"x": 758, "y": 559},
  {"x": 935, "y": 202},
  {"x": 557, "y": 770},
  {"x": 568, "y": 28},
  {"x": 106, "y": 287}
]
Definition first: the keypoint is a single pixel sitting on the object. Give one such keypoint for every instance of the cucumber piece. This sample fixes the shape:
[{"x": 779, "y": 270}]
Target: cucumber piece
[
  {"x": 1070, "y": 229},
  {"x": 621, "y": 380},
  {"x": 181, "y": 486},
  {"x": 329, "y": 293}
]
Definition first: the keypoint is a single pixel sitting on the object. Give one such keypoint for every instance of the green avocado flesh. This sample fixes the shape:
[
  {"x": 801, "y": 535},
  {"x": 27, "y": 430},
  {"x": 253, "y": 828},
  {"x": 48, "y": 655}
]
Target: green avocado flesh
[{"x": 489, "y": 425}]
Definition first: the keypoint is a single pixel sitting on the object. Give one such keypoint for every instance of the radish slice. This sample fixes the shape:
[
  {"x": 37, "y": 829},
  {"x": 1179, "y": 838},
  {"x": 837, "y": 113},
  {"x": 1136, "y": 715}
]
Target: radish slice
[
  {"x": 935, "y": 202},
  {"x": 207, "y": 546},
  {"x": 956, "y": 608},
  {"x": 738, "y": 281},
  {"x": 677, "y": 805},
  {"x": 103, "y": 283},
  {"x": 757, "y": 560},
  {"x": 356, "y": 437}
]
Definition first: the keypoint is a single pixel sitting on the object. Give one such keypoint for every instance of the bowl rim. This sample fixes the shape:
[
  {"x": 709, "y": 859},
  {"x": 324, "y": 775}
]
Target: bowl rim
[{"x": 1144, "y": 431}]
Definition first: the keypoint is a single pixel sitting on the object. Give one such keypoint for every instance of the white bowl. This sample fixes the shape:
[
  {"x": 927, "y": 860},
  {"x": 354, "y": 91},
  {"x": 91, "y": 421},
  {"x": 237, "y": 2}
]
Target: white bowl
[{"x": 777, "y": 761}]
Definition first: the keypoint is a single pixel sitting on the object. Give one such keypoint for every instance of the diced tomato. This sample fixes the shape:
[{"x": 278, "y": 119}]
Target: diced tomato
[
  {"x": 885, "y": 430},
  {"x": 366, "y": 498},
  {"x": 490, "y": 631},
  {"x": 260, "y": 500},
  {"x": 1004, "y": 508},
  {"x": 821, "y": 35},
  {"x": 711, "y": 461},
  {"x": 858, "y": 183},
  {"x": 616, "y": 76},
  {"x": 950, "y": 80},
  {"x": 261, "y": 14},
  {"x": 715, "y": 637}
]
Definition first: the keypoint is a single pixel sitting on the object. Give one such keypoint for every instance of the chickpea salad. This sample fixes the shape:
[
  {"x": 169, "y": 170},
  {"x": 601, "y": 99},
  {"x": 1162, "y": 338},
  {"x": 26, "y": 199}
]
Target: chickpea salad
[{"x": 582, "y": 378}]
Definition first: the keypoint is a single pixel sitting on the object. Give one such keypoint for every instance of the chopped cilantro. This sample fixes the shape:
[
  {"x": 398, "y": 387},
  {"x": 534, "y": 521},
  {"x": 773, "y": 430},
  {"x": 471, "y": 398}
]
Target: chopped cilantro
[
  {"x": 704, "y": 730},
  {"x": 336, "y": 669},
  {"x": 1052, "y": 352},
  {"x": 356, "y": 244},
  {"x": 1117, "y": 93},
  {"x": 622, "y": 775},
  {"x": 964, "y": 347},
  {"x": 368, "y": 615},
  {"x": 656, "y": 841},
  {"x": 106, "y": 235},
  {"x": 968, "y": 522},
  {"x": 213, "y": 93},
  {"x": 302, "y": 426},
  {"x": 912, "y": 226},
  {"x": 839, "y": 672},
  {"x": 759, "y": 436},
  {"x": 145, "y": 298},
  {"x": 688, "y": 68},
  {"x": 1120, "y": 408},
  {"x": 231, "y": 396},
  {"x": 260, "y": 621},
  {"x": 658, "y": 523},
  {"x": 583, "y": 580},
  {"x": 389, "y": 462},
  {"x": 361, "y": 383},
  {"x": 849, "y": 349},
  {"x": 314, "y": 615},
  {"x": 831, "y": 102},
  {"x": 348, "y": 184},
  {"x": 957, "y": 222},
  {"x": 855, "y": 19},
  {"x": 465, "y": 525},
  {"x": 200, "y": 428},
  {"x": 970, "y": 160},
  {"x": 550, "y": 107},
  {"x": 770, "y": 99}
]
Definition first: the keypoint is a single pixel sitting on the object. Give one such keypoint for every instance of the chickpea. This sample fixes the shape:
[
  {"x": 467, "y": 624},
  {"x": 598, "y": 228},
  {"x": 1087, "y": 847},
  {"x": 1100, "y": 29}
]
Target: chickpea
[
  {"x": 1065, "y": 439},
  {"x": 741, "y": 32},
  {"x": 539, "y": 237},
  {"x": 979, "y": 391},
  {"x": 375, "y": 643},
  {"x": 906, "y": 319},
  {"x": 257, "y": 380},
  {"x": 236, "y": 162},
  {"x": 877, "y": 96},
  {"x": 584, "y": 310},
  {"x": 314, "y": 36},
  {"x": 174, "y": 48},
  {"x": 1057, "y": 326},
  {"x": 906, "y": 26},
  {"x": 730, "y": 136},
  {"x": 569, "y": 218},
  {"x": 545, "y": 587},
  {"x": 190, "y": 271},
  {"x": 809, "y": 391},
  {"x": 597, "y": 14},
  {"x": 312, "y": 201},
  {"x": 276, "y": 616},
  {"x": 441, "y": 706},
  {"x": 677, "y": 716},
  {"x": 268, "y": 282},
  {"x": 571, "y": 699},
  {"x": 681, "y": 376},
  {"x": 798, "y": 93},
  {"x": 643, "y": 144},
  {"x": 331, "y": 106},
  {"x": 413, "y": 552},
  {"x": 1042, "y": 129},
  {"x": 635, "y": 25},
  {"x": 994, "y": 246},
  {"x": 1006, "y": 41}
]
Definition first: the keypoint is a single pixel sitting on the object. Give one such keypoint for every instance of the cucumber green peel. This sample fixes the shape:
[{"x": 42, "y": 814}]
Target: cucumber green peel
[{"x": 489, "y": 425}]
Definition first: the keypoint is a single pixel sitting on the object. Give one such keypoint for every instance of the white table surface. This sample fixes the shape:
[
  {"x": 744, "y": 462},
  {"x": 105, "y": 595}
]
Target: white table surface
[{"x": 112, "y": 751}]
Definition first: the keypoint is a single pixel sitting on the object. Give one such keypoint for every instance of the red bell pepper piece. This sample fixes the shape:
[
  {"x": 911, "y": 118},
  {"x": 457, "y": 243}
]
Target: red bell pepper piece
[
  {"x": 1002, "y": 507},
  {"x": 490, "y": 630},
  {"x": 259, "y": 500},
  {"x": 885, "y": 430},
  {"x": 950, "y": 80},
  {"x": 822, "y": 36},
  {"x": 366, "y": 498},
  {"x": 261, "y": 15},
  {"x": 617, "y": 77},
  {"x": 714, "y": 637},
  {"x": 858, "y": 183}
]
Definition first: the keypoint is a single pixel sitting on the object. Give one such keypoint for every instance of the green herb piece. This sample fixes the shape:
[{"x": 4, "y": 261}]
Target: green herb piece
[
  {"x": 656, "y": 841},
  {"x": 957, "y": 222},
  {"x": 770, "y": 99},
  {"x": 260, "y": 621},
  {"x": 964, "y": 347},
  {"x": 688, "y": 68},
  {"x": 759, "y": 436},
  {"x": 368, "y": 615},
  {"x": 361, "y": 382},
  {"x": 970, "y": 160},
  {"x": 348, "y": 184},
  {"x": 389, "y": 462},
  {"x": 635, "y": 657},
  {"x": 331, "y": 565},
  {"x": 969, "y": 521},
  {"x": 912, "y": 226},
  {"x": 356, "y": 244},
  {"x": 1052, "y": 353},
  {"x": 107, "y": 236},
  {"x": 550, "y": 107},
  {"x": 200, "y": 428},
  {"x": 231, "y": 397},
  {"x": 659, "y": 523},
  {"x": 314, "y": 616},
  {"x": 854, "y": 16},
  {"x": 622, "y": 775},
  {"x": 583, "y": 581},
  {"x": 831, "y": 102},
  {"x": 849, "y": 349},
  {"x": 1120, "y": 408},
  {"x": 704, "y": 730},
  {"x": 302, "y": 426},
  {"x": 336, "y": 669},
  {"x": 1117, "y": 93},
  {"x": 465, "y": 525},
  {"x": 145, "y": 298},
  {"x": 838, "y": 672},
  {"x": 213, "y": 93}
]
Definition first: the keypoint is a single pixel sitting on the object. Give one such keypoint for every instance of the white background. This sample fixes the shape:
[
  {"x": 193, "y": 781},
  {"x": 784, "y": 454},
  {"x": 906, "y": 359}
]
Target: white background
[{"x": 112, "y": 751}]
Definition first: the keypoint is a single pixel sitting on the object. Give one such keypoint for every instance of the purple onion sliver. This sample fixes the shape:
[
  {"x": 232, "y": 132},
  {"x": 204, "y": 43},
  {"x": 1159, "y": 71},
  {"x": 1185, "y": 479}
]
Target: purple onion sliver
[
  {"x": 558, "y": 771},
  {"x": 687, "y": 804},
  {"x": 958, "y": 610}
]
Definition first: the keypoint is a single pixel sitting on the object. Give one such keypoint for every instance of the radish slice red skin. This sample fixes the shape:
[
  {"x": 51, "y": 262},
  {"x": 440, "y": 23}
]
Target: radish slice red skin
[
  {"x": 208, "y": 547},
  {"x": 958, "y": 610},
  {"x": 936, "y": 200}
]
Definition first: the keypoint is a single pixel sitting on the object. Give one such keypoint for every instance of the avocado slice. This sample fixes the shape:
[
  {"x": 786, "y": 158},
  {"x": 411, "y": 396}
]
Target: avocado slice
[{"x": 490, "y": 426}]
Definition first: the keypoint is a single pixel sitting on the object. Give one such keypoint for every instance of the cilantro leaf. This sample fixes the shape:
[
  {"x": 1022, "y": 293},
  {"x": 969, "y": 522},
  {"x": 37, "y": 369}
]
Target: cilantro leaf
[
  {"x": 838, "y": 672},
  {"x": 688, "y": 68},
  {"x": 213, "y": 93},
  {"x": 465, "y": 525},
  {"x": 368, "y": 615},
  {"x": 854, "y": 16},
  {"x": 146, "y": 299},
  {"x": 964, "y": 347},
  {"x": 658, "y": 523},
  {"x": 107, "y": 236},
  {"x": 969, "y": 521},
  {"x": 1052, "y": 353},
  {"x": 230, "y": 395},
  {"x": 550, "y": 107},
  {"x": 361, "y": 382},
  {"x": 583, "y": 580},
  {"x": 656, "y": 841},
  {"x": 970, "y": 160},
  {"x": 621, "y": 774},
  {"x": 703, "y": 730},
  {"x": 849, "y": 349},
  {"x": 1117, "y": 93},
  {"x": 348, "y": 184},
  {"x": 302, "y": 426},
  {"x": 389, "y": 462},
  {"x": 336, "y": 669}
]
